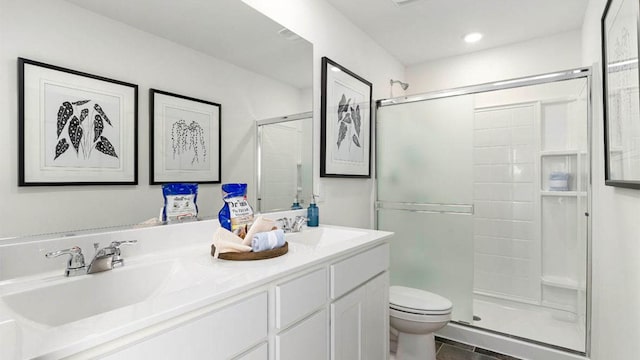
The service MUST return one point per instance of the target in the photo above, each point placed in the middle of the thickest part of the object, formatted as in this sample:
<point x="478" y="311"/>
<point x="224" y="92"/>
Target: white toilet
<point x="416" y="315"/>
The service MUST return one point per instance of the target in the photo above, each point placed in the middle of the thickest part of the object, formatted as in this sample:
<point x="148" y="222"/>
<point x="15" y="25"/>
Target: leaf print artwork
<point x="349" y="121"/>
<point x="75" y="133"/>
<point x="357" y="120"/>
<point x="342" y="133"/>
<point x="104" y="116"/>
<point x="343" y="105"/>
<point x="83" y="136"/>
<point x="98" y="126"/>
<point x="64" y="113"/>
<point x="355" y="140"/>
<point x="61" y="147"/>
<point x="348" y="132"/>
<point x="185" y="138"/>
<point x="83" y="114"/>
<point x="105" y="147"/>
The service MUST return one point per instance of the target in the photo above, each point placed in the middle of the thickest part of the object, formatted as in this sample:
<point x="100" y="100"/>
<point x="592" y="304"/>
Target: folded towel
<point x="559" y="181"/>
<point x="226" y="241"/>
<point x="260" y="224"/>
<point x="226" y="235"/>
<point x="267" y="240"/>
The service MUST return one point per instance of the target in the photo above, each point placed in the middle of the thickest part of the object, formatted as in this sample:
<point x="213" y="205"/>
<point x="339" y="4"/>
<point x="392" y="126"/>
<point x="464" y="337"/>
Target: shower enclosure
<point x="488" y="191"/>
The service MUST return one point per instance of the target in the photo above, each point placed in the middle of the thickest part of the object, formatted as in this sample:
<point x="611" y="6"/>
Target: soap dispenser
<point x="296" y="204"/>
<point x="313" y="213"/>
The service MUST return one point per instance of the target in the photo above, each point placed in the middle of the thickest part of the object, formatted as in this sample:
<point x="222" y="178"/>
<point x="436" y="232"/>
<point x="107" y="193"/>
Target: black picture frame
<point x="75" y="128"/>
<point x="193" y="127"/>
<point x="621" y="98"/>
<point x="346" y="129"/>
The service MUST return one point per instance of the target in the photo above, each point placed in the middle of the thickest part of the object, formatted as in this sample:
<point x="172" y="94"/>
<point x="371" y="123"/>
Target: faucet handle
<point x="117" y="244"/>
<point x="286" y="224"/>
<point x="299" y="222"/>
<point x="117" y="260"/>
<point x="76" y="259"/>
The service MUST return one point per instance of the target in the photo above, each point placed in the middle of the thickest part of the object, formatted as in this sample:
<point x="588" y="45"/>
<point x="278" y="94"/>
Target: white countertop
<point x="194" y="280"/>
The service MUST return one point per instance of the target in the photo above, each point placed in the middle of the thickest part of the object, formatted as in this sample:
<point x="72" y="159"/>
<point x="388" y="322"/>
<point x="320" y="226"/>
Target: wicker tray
<point x="251" y="255"/>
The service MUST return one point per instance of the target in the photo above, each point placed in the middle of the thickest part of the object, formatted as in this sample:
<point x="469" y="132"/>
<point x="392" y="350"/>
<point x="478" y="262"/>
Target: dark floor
<point x="452" y="350"/>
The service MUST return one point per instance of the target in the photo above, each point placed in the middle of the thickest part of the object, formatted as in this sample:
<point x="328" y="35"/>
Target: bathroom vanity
<point x="326" y="298"/>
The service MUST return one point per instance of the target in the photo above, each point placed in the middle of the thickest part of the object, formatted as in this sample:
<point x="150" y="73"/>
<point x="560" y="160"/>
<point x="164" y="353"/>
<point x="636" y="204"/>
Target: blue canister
<point x="313" y="213"/>
<point x="296" y="204"/>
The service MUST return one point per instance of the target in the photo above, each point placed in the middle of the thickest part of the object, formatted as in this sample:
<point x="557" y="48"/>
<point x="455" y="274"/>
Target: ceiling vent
<point x="288" y="34"/>
<point x="401" y="3"/>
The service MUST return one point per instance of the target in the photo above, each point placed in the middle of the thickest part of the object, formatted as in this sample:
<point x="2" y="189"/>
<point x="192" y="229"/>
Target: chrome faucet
<point x="108" y="257"/>
<point x="292" y="225"/>
<point x="75" y="265"/>
<point x="105" y="259"/>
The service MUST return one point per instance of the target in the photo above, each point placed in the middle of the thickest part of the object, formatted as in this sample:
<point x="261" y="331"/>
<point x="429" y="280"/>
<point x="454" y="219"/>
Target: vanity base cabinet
<point x="376" y="316"/>
<point x="359" y="322"/>
<point x="221" y="334"/>
<point x="335" y="310"/>
<point x="360" y="308"/>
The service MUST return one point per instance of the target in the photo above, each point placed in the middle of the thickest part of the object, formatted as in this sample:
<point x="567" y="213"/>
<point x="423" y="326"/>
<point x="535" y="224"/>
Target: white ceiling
<point x="228" y="30"/>
<point x="420" y="31"/>
<point x="429" y="29"/>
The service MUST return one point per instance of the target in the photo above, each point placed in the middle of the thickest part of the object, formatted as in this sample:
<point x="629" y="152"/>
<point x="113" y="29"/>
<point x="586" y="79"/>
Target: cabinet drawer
<point x="218" y="335"/>
<point x="300" y="297"/>
<point x="350" y="273"/>
<point x="306" y="340"/>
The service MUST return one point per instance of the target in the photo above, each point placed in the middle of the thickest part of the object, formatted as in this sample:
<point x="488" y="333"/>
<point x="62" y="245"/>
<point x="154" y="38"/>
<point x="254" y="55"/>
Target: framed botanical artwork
<point x="185" y="143"/>
<point x="345" y="136"/>
<point x="75" y="128"/>
<point x="621" y="85"/>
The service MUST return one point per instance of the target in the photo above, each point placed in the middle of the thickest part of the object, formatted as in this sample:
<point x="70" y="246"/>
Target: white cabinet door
<point x="360" y="322"/>
<point x="346" y="326"/>
<point x="376" y="318"/>
<point x="307" y="340"/>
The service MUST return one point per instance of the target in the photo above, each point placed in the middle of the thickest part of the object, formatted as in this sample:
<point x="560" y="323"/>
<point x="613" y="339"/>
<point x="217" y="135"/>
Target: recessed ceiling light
<point x="336" y="69"/>
<point x="473" y="37"/>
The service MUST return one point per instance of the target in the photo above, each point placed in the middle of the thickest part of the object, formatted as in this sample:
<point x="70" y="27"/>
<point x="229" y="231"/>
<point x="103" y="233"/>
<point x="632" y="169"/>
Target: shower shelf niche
<point x="563" y="150"/>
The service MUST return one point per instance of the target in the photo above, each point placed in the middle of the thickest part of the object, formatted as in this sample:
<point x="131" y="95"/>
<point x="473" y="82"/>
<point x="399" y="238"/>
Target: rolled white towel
<point x="260" y="224"/>
<point x="267" y="240"/>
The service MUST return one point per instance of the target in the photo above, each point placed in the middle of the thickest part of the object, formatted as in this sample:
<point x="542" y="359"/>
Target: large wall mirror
<point x="621" y="93"/>
<point x="222" y="51"/>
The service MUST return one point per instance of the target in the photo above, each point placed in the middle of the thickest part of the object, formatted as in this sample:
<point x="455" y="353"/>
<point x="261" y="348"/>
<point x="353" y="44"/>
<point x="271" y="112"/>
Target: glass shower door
<point x="425" y="196"/>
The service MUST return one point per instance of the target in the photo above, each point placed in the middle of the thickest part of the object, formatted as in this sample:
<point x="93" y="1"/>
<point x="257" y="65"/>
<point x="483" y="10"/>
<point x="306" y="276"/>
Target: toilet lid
<point x="418" y="301"/>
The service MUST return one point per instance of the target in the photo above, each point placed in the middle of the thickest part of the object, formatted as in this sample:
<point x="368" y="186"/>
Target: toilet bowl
<point x="416" y="314"/>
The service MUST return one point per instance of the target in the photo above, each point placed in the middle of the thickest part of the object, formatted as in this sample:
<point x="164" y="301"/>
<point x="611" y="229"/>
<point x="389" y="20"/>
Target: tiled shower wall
<point x="506" y="228"/>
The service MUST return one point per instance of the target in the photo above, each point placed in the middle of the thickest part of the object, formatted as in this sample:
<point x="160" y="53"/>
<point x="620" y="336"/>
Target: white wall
<point x="343" y="201"/>
<point x="62" y="34"/>
<point x="616" y="231"/>
<point x="537" y="56"/>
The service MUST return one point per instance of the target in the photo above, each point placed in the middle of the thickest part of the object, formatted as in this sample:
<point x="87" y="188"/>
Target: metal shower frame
<point x="571" y="74"/>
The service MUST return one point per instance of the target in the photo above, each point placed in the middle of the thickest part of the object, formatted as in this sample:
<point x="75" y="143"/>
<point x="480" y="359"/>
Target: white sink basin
<point x="76" y="298"/>
<point x="323" y="236"/>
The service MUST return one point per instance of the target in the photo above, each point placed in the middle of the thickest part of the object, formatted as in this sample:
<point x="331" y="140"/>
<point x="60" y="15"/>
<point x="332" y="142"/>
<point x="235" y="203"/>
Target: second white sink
<point x="323" y="236"/>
